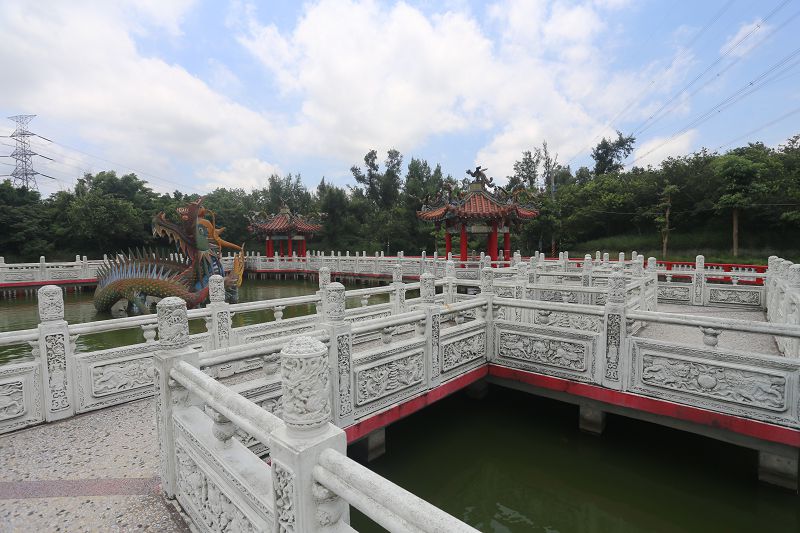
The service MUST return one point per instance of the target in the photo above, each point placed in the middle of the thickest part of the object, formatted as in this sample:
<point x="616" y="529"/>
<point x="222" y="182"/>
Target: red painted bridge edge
<point x="735" y="424"/>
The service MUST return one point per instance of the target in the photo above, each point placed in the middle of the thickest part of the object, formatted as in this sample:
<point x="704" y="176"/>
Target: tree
<point x="526" y="170"/>
<point x="662" y="215"/>
<point x="740" y="186"/>
<point x="609" y="154"/>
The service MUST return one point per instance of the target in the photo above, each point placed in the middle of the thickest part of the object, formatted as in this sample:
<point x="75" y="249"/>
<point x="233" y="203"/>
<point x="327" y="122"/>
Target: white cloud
<point x="77" y="64"/>
<point x="248" y="173"/>
<point x="377" y="76"/>
<point x="748" y="37"/>
<point x="657" y="149"/>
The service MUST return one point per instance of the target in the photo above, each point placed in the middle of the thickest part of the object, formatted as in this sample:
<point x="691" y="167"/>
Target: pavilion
<point x="285" y="227"/>
<point x="478" y="212"/>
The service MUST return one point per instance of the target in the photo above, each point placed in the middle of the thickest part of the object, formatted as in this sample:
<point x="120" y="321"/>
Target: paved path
<point x="93" y="472"/>
<point x="730" y="340"/>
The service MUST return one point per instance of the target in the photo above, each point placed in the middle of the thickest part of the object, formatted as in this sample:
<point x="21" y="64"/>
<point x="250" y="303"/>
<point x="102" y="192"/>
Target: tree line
<point x="747" y="198"/>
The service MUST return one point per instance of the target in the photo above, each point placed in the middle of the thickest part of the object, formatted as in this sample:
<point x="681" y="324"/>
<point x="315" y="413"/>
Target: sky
<point x="195" y="95"/>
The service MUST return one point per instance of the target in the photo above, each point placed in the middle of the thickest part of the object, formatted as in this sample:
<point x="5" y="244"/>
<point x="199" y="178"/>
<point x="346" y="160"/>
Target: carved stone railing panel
<point x="20" y="396"/>
<point x="213" y="495"/>
<point x="752" y="386"/>
<point x="385" y="376"/>
<point x="738" y="296"/>
<point x="558" y="352"/>
<point x="463" y="348"/>
<point x="117" y="375"/>
<point x="675" y="292"/>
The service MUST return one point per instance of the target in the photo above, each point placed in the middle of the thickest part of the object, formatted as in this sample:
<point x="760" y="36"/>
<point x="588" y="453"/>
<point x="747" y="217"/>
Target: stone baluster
<point x="173" y="340"/>
<point x="615" y="341"/>
<point x="792" y="318"/>
<point x="433" y="319"/>
<point x="149" y="332"/>
<point x="340" y="350"/>
<point x="621" y="258"/>
<point x="586" y="279"/>
<point x="597" y="260"/>
<point x="566" y="260"/>
<point x="699" y="281"/>
<point x="516" y="258"/>
<point x="324" y="278"/>
<point x="398" y="294"/>
<point x="634" y="255"/>
<point x="450" y="282"/>
<point x="42" y="269"/>
<point x="300" y="504"/>
<point x="220" y="326"/>
<point x="605" y="260"/>
<point x="710" y="336"/>
<point x="277" y="312"/>
<point x="56" y="355"/>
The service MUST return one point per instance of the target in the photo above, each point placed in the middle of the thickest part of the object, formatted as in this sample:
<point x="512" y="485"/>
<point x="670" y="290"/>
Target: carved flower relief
<point x="57" y="371"/>
<point x="305" y="391"/>
<point x="343" y="351"/>
<point x="12" y="400"/>
<point x="736" y="297"/>
<point x="336" y="304"/>
<point x="673" y="293"/>
<point x="740" y="386"/>
<point x="283" y="486"/>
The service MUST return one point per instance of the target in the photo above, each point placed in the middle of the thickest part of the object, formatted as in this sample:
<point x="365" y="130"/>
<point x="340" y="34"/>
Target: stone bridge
<point x="582" y="335"/>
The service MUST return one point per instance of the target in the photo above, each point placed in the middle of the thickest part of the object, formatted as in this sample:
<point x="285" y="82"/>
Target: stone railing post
<point x="56" y="355"/>
<point x="42" y="269"/>
<point x="340" y="350"/>
<point x="398" y="294"/>
<point x="324" y="277"/>
<point x="615" y="341"/>
<point x="301" y="504"/>
<point x="586" y="279"/>
<point x="220" y="327"/>
<point x="652" y="272"/>
<point x="699" y="280"/>
<point x="173" y="333"/>
<point x="450" y="282"/>
<point x="769" y="285"/>
<point x="516" y="258"/>
<point x="605" y="263"/>
<point x="433" y="319"/>
<point x="487" y="292"/>
<point x="520" y="287"/>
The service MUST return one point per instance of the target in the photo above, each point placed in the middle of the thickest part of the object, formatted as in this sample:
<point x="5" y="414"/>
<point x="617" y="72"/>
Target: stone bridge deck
<point x="98" y="471"/>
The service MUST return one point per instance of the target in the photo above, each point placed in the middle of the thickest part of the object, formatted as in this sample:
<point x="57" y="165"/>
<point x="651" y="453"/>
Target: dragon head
<point x="182" y="234"/>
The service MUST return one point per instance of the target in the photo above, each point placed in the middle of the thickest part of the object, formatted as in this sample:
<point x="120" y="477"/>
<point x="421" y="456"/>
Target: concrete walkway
<point x="93" y="472"/>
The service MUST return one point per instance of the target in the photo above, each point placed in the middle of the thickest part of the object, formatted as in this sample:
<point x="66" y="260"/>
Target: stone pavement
<point x="93" y="472"/>
<point x="728" y="340"/>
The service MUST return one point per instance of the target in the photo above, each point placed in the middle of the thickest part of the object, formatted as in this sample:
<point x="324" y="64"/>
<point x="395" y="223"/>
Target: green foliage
<point x="604" y="208"/>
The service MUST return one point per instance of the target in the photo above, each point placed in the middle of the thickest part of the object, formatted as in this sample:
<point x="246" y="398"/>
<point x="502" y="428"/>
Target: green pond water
<point x="513" y="462"/>
<point x="22" y="313"/>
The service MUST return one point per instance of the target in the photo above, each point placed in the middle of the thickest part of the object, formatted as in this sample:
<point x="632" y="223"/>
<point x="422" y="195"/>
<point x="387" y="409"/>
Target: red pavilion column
<point x="303" y="247"/>
<point x="270" y="247"/>
<point x="507" y="245"/>
<point x="289" y="253"/>
<point x="448" y="243"/>
<point x="463" y="242"/>
<point x="280" y="243"/>
<point x="493" y="242"/>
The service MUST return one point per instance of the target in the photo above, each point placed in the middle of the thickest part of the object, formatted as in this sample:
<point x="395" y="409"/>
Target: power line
<point x="657" y="79"/>
<point x="658" y="113"/>
<point x="756" y="130"/>
<point x="751" y="87"/>
<point x="123" y="165"/>
<point x="670" y="106"/>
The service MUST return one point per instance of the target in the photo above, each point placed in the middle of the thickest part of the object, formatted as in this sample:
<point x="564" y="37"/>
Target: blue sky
<point x="198" y="94"/>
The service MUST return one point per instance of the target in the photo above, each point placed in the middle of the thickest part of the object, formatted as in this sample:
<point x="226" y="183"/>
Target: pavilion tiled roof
<point x="477" y="205"/>
<point x="284" y="222"/>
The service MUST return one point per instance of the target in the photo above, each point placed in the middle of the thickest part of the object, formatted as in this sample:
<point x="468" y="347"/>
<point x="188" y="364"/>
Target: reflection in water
<point x="517" y="463"/>
<point x="23" y="313"/>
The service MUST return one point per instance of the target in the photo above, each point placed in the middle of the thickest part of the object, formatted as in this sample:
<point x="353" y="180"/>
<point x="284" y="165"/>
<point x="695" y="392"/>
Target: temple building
<point x="478" y="212"/>
<point x="285" y="232"/>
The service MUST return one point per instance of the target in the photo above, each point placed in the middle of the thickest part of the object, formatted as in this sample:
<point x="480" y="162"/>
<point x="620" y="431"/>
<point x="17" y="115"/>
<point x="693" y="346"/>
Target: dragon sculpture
<point x="142" y="273"/>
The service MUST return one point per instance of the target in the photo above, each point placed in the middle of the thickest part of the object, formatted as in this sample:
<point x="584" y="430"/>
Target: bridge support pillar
<point x="779" y="469"/>
<point x="370" y="447"/>
<point x="591" y="420"/>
